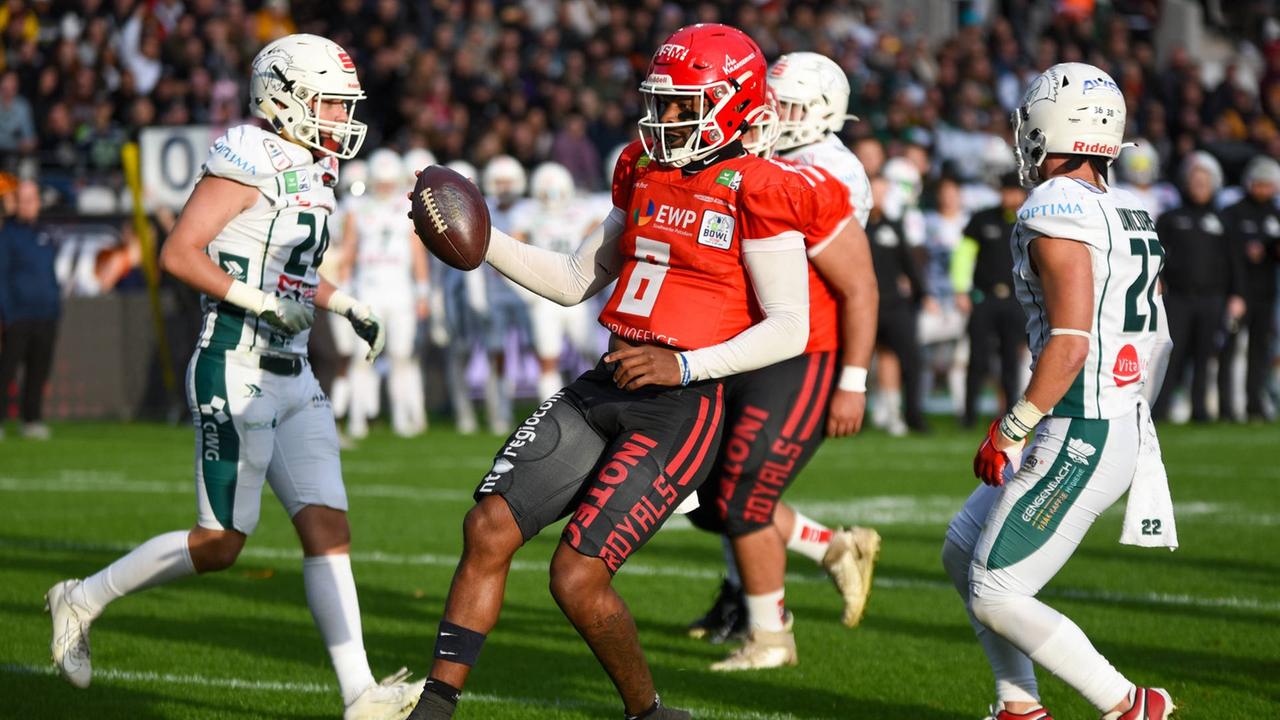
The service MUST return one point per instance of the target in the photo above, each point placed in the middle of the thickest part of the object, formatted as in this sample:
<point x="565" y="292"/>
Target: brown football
<point x="451" y="217"/>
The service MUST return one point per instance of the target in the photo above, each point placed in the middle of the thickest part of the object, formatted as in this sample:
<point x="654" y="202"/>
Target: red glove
<point x="990" y="462"/>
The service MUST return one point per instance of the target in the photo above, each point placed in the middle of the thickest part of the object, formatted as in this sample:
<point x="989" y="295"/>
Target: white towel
<point x="1148" y="514"/>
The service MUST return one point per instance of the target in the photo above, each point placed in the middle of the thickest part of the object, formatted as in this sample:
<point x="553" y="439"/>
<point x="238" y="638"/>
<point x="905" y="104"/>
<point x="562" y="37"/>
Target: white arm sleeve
<point x="559" y="277"/>
<point x="779" y="272"/>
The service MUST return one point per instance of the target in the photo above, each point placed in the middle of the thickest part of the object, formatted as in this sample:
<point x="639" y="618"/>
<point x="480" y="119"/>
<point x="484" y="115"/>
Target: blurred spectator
<point x="1202" y="279"/>
<point x="17" y="129"/>
<point x="1253" y="227"/>
<point x="982" y="277"/>
<point x="29" y="309"/>
<point x="901" y="284"/>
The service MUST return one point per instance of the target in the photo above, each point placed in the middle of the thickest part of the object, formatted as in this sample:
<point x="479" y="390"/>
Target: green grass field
<point x="1203" y="622"/>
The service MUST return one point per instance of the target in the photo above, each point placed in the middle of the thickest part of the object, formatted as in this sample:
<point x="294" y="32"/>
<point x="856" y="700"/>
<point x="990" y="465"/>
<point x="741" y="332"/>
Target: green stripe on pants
<point x="1038" y="512"/>
<point x="216" y="439"/>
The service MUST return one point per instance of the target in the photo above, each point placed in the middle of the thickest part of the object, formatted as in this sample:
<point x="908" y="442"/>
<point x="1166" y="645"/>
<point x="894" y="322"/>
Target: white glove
<point x="286" y="315"/>
<point x="367" y="325"/>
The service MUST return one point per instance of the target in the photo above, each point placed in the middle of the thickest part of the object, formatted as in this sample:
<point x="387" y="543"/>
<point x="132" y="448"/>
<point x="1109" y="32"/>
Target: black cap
<point x="1010" y="179"/>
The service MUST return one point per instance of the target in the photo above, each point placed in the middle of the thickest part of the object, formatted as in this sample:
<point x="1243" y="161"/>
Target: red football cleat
<point x="1148" y="704"/>
<point x="999" y="713"/>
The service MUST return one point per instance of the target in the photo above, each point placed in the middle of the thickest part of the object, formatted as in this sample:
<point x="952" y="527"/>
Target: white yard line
<point x="192" y="680"/>
<point x="689" y="572"/>
<point x="876" y="510"/>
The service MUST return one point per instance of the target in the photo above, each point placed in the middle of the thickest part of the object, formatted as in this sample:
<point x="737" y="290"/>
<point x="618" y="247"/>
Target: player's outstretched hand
<point x="993" y="456"/>
<point x="845" y="414"/>
<point x="369" y="327"/>
<point x="644" y="365"/>
<point x="284" y="314"/>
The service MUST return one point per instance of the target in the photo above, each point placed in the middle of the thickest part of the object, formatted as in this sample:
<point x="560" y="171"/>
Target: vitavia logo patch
<point x="716" y="230"/>
<point x="729" y="178"/>
<point x="296" y="181"/>
<point x="1080" y="451"/>
<point x="1127" y="369"/>
<point x="237" y="266"/>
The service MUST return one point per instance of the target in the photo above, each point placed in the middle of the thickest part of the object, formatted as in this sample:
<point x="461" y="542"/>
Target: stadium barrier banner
<point x="171" y="161"/>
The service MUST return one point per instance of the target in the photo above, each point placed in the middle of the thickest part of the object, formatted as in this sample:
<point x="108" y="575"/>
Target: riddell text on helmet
<point x="1096" y="148"/>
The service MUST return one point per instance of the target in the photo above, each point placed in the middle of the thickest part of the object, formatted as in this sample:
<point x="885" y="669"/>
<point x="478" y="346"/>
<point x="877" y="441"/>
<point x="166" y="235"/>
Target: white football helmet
<point x="1201" y="160"/>
<point x="353" y="179"/>
<point x="552" y="184"/>
<point x="292" y="77"/>
<point x="764" y="127"/>
<point x="504" y="176"/>
<point x="1140" y="164"/>
<point x="416" y="160"/>
<point x="386" y="171"/>
<point x="1069" y="109"/>
<point x="465" y="169"/>
<point x="904" y="179"/>
<point x="813" y="98"/>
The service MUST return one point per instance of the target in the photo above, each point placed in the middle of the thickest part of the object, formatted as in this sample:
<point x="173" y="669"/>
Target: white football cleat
<point x="391" y="699"/>
<point x="70" y="644"/>
<point x="850" y="561"/>
<point x="764" y="649"/>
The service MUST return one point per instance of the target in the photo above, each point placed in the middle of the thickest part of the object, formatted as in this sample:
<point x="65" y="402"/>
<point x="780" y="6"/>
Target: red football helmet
<point x="702" y="84"/>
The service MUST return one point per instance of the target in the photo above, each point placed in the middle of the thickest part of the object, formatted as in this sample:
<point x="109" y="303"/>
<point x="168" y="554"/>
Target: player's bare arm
<point x="213" y="204"/>
<point x="1066" y="272"/>
<point x="845" y="264"/>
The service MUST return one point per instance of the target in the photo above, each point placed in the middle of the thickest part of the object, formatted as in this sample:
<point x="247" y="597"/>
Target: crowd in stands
<point x="541" y="79"/>
<point x="556" y="80"/>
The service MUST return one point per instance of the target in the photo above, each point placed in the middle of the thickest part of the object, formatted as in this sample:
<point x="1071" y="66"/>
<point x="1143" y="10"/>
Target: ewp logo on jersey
<point x="664" y="215"/>
<point x="716" y="230"/>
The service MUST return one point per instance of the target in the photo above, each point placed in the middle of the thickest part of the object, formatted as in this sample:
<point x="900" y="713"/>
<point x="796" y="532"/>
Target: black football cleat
<point x="726" y="620"/>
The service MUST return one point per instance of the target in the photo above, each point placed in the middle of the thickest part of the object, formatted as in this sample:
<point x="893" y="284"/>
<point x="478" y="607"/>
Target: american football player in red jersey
<point x="707" y="244"/>
<point x="775" y="419"/>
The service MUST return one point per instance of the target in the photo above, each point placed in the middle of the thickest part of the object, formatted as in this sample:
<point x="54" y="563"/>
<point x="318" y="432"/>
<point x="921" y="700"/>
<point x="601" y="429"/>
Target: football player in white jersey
<point x="812" y="96"/>
<point x="353" y="183"/>
<point x="1139" y="168"/>
<point x="250" y="239"/>
<point x="387" y="266"/>
<point x="1086" y="263"/>
<point x="553" y="220"/>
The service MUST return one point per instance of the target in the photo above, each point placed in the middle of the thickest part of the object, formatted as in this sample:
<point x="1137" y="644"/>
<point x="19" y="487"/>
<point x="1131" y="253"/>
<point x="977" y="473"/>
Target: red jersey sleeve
<point x="833" y="210"/>
<point x="774" y="213"/>
<point x="624" y="174"/>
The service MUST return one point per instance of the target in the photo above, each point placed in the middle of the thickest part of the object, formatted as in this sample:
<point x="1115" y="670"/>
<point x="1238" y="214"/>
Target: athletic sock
<point x="809" y="537"/>
<point x="765" y="611"/>
<point x="331" y="595"/>
<point x="549" y="383"/>
<point x="732" y="576"/>
<point x="163" y="558"/>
